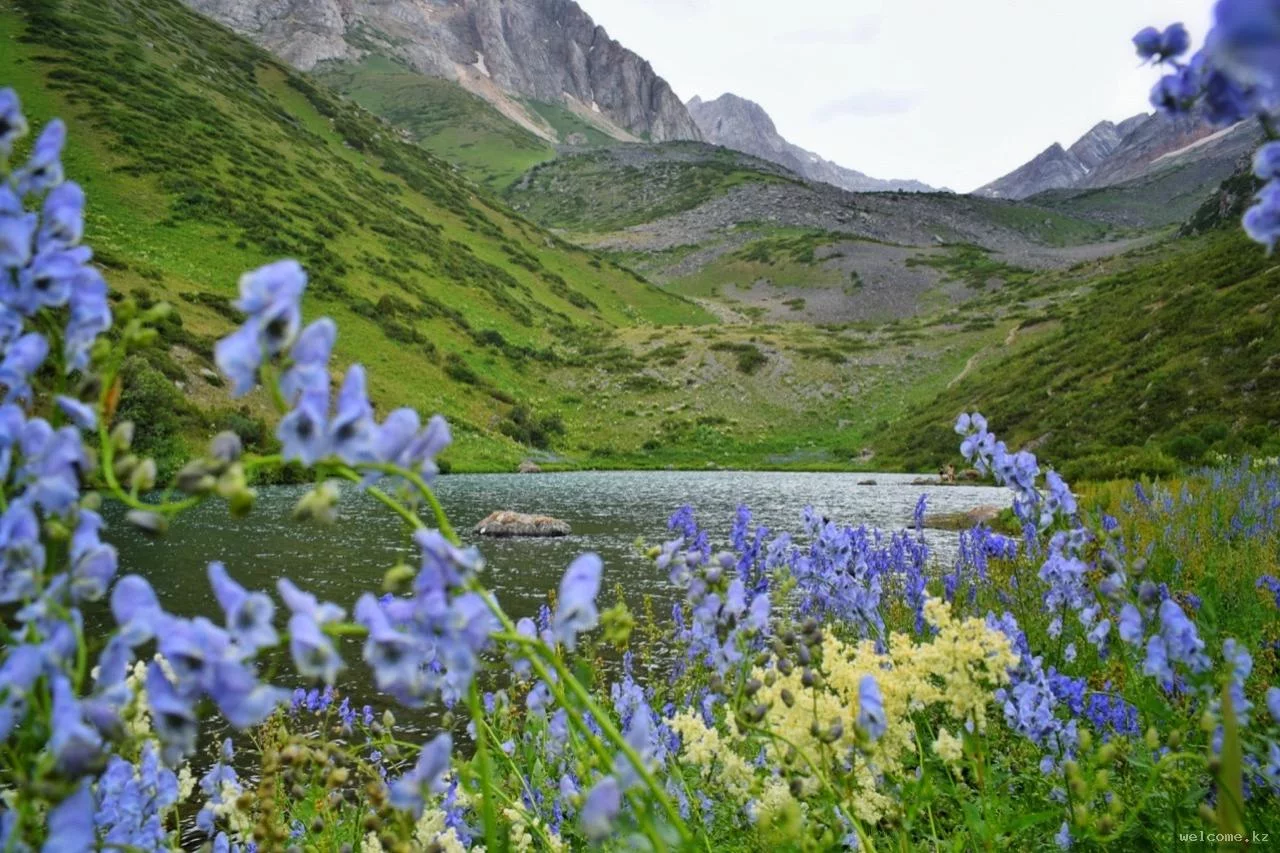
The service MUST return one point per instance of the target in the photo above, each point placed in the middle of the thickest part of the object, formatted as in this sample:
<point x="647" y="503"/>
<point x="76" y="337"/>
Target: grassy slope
<point x="444" y="118"/>
<point x="596" y="192"/>
<point x="1153" y="366"/>
<point x="203" y="157"/>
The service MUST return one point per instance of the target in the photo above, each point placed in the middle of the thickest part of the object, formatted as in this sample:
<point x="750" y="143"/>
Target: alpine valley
<point x="519" y="223"/>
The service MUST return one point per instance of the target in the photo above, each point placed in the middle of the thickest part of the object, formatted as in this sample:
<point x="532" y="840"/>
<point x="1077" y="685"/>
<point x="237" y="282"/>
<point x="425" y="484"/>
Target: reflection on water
<point x="609" y="512"/>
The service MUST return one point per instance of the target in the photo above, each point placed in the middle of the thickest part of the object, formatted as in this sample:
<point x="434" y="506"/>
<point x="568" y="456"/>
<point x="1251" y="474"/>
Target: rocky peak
<point x="743" y="125"/>
<point x="1052" y="168"/>
<point x="503" y="50"/>
<point x="1096" y="145"/>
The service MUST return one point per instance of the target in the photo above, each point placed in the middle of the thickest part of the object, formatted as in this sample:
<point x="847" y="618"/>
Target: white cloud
<point x="871" y="102"/>
<point x="952" y="92"/>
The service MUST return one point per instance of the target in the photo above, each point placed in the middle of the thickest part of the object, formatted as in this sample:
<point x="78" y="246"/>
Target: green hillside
<point x="1159" y="364"/>
<point x="442" y="117"/>
<point x="203" y="157"/>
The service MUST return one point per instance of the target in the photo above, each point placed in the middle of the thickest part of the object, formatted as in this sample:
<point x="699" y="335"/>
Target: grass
<point x="604" y="190"/>
<point x="442" y="117"/>
<point x="1145" y="370"/>
<point x="203" y="157"/>
<point x="974" y="266"/>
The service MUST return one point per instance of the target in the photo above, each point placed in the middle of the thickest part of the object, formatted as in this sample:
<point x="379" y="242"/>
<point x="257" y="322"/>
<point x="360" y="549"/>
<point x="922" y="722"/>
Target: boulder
<point x="984" y="514"/>
<point x="866" y="482"/>
<point x="505" y="524"/>
<point x="528" y="466"/>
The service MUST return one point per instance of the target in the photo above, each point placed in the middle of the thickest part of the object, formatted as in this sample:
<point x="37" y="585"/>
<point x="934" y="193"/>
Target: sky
<point x="951" y="92"/>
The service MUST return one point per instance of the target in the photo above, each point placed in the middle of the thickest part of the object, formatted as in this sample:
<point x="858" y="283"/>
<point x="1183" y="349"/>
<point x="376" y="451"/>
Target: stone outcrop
<point x="1109" y="154"/>
<point x="507" y="524"/>
<point x="962" y="520"/>
<point x="744" y="125"/>
<point x="545" y="50"/>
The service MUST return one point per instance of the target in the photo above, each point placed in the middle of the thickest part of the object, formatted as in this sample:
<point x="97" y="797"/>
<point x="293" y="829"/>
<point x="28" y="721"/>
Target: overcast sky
<point x="950" y="92"/>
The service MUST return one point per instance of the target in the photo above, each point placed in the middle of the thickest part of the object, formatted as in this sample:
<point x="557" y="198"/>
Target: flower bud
<point x="752" y="687"/>
<point x="226" y="447"/>
<point x="1153" y="738"/>
<point x="143" y="337"/>
<point x="195" y="479"/>
<point x="388" y="719"/>
<point x="152" y="523"/>
<point x="143" y="478"/>
<point x="1086" y="740"/>
<point x="398" y="578"/>
<point x="157" y="312"/>
<point x="1208" y="814"/>
<point x="1107" y="753"/>
<point x="124" y="466"/>
<point x="1175" y="738"/>
<point x="788" y="698"/>
<point x="122" y="436"/>
<point x="241" y="503"/>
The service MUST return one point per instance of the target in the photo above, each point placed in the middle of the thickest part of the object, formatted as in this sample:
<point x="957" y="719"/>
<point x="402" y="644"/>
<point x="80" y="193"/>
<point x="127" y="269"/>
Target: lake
<point x="609" y="512"/>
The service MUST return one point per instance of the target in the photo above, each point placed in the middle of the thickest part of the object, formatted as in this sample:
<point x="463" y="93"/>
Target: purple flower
<point x="271" y="296"/>
<point x="1175" y="93"/>
<point x="309" y="373"/>
<point x="1262" y="221"/>
<point x="238" y="356"/>
<point x="13" y="125"/>
<point x="248" y="614"/>
<point x="600" y="808"/>
<point x="44" y="167"/>
<point x="17" y="232"/>
<point x="1245" y="40"/>
<point x="62" y="218"/>
<point x="93" y="562"/>
<point x="352" y="429"/>
<point x="21" y="360"/>
<point x="576" y="607"/>
<point x="1130" y="625"/>
<point x="871" y="716"/>
<point x="1266" y="161"/>
<point x="1162" y="46"/>
<point x="427" y="774"/>
<point x="1273" y="703"/>
<point x="22" y="555"/>
<point x="172" y="716"/>
<point x="313" y="651"/>
<point x="80" y="414"/>
<point x="302" y="432"/>
<point x="75" y="745"/>
<point x="70" y="823"/>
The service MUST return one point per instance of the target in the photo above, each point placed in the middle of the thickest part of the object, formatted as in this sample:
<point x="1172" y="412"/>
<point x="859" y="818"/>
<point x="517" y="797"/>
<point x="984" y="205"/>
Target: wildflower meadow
<point x="1100" y="668"/>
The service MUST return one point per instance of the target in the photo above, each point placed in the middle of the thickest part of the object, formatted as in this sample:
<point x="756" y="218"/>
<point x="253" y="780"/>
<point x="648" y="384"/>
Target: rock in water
<point x="528" y="466"/>
<point x="984" y="514"/>
<point x="505" y="524"/>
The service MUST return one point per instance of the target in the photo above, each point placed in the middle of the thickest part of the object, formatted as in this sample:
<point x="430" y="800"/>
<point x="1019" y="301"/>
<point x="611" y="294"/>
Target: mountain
<point x="509" y="52"/>
<point x="1108" y="155"/>
<point x="744" y="125"/>
<point x="202" y="156"/>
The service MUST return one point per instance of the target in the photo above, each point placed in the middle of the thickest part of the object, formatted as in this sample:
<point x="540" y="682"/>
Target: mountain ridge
<point x="505" y="51"/>
<point x="743" y="125"/>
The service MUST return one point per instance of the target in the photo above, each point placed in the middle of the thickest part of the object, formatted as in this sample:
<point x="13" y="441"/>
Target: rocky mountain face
<point x="503" y="50"/>
<point x="1107" y="155"/>
<point x="743" y="125"/>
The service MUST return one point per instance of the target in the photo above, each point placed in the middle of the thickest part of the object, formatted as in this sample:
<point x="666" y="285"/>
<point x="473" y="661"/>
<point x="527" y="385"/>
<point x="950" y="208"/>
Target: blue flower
<point x="871" y="716"/>
<point x="22" y="555"/>
<point x="1162" y="46"/>
<point x="427" y="774"/>
<point x="248" y="614"/>
<point x="308" y="375"/>
<point x="21" y="360"/>
<point x="302" y="432"/>
<point x="1237" y="657"/>
<point x="600" y="809"/>
<point x="396" y="658"/>
<point x="1063" y="837"/>
<point x="13" y="125"/>
<point x="90" y="317"/>
<point x="272" y="296"/>
<point x="70" y="823"/>
<point x="80" y="414"/>
<point x="1175" y="93"/>
<point x="1245" y="39"/>
<point x="93" y="562"/>
<point x="1156" y="664"/>
<point x="238" y="356"/>
<point x="352" y="429"/>
<point x="44" y="167"/>
<point x="313" y="651"/>
<point x="1262" y="221"/>
<point x="75" y="745"/>
<point x="1273" y="703"/>
<point x="1266" y="161"/>
<point x="1130" y="625"/>
<point x="62" y="218"/>
<point x="576" y="606"/>
<point x="172" y="716"/>
<point x="17" y="233"/>
<point x="1181" y="638"/>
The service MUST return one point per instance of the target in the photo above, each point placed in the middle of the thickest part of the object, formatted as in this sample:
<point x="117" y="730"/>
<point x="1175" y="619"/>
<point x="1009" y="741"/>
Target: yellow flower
<point x="948" y="747"/>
